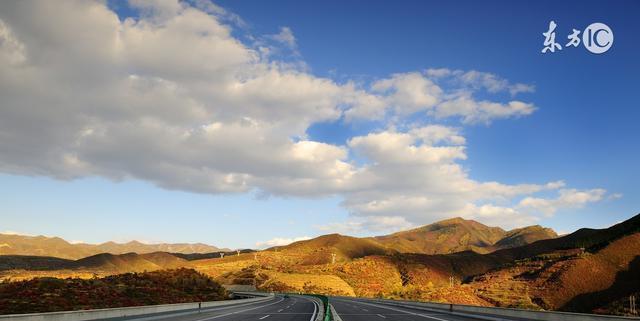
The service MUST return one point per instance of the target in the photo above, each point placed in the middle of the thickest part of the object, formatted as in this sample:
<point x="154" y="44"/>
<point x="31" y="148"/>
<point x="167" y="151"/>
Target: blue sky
<point x="582" y="132"/>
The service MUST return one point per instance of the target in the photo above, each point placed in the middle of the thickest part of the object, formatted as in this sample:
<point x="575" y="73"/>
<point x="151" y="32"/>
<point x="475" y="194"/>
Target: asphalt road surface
<point x="352" y="310"/>
<point x="281" y="308"/>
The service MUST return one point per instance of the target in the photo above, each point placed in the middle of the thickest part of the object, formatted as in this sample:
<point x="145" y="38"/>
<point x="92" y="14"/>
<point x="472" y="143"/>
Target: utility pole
<point x="221" y="254"/>
<point x="333" y="258"/>
<point x="451" y="279"/>
<point x="632" y="305"/>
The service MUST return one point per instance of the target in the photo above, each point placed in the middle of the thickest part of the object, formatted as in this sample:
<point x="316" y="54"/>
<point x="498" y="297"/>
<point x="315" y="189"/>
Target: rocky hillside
<point x="457" y="235"/>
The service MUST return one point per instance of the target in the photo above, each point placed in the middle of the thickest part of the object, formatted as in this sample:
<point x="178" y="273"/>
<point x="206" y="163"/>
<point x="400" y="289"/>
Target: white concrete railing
<point x="84" y="315"/>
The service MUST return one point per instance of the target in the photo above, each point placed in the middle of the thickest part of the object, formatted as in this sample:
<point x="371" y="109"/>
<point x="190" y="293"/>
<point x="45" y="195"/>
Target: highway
<point x="281" y="308"/>
<point x="354" y="310"/>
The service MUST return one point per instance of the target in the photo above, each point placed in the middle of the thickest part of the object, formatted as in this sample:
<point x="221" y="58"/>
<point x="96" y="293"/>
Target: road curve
<point x="281" y="308"/>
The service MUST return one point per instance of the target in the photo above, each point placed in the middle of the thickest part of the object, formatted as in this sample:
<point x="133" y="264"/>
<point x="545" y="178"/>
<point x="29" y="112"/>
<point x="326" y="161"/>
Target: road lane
<point x="353" y="310"/>
<point x="290" y="309"/>
<point x="293" y="308"/>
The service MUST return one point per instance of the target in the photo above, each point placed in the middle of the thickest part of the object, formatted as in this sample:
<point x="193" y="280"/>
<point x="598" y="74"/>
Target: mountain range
<point x="12" y="244"/>
<point x="448" y="236"/>
<point x="456" y="260"/>
<point x="457" y="235"/>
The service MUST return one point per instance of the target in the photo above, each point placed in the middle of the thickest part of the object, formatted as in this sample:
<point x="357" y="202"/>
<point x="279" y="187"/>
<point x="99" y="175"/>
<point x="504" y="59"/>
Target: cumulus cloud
<point x="173" y="98"/>
<point x="280" y="241"/>
<point x="443" y="93"/>
<point x="567" y="198"/>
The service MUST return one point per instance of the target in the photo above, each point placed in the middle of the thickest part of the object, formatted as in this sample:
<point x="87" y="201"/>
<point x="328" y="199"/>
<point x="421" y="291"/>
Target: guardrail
<point x="494" y="313"/>
<point x="179" y="308"/>
<point x="325" y="313"/>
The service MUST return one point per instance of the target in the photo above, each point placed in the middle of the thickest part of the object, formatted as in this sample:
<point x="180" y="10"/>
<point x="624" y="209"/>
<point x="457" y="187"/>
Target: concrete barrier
<point x="83" y="315"/>
<point x="336" y="316"/>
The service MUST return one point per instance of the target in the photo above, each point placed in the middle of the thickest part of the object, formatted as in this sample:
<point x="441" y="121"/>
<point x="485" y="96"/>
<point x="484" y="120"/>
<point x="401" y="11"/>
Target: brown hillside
<point x="319" y="250"/>
<point x="129" y="262"/>
<point x="524" y="236"/>
<point x="569" y="280"/>
<point x="458" y="235"/>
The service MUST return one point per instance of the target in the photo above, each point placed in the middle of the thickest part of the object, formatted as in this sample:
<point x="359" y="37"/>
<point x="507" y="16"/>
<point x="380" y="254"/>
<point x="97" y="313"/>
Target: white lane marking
<point x="315" y="310"/>
<point x="365" y="310"/>
<point x="227" y="314"/>
<point x="404" y="311"/>
<point x="382" y="316"/>
<point x="264" y="317"/>
<point x="280" y="310"/>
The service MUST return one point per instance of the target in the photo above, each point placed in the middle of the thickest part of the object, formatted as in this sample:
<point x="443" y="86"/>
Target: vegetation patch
<point x="123" y="290"/>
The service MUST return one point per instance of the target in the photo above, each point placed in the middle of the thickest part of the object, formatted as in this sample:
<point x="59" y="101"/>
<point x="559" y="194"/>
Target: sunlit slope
<point x="457" y="235"/>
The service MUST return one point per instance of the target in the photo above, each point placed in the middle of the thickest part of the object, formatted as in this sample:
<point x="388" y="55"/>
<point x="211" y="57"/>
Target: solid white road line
<point x="382" y="316"/>
<point x="264" y="317"/>
<point x="315" y="310"/>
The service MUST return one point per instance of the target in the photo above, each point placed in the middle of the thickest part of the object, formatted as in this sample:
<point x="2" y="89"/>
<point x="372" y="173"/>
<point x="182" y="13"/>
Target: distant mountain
<point x="457" y="235"/>
<point x="130" y="262"/>
<point x="524" y="236"/>
<point x="141" y="248"/>
<point x="209" y="255"/>
<point x="56" y="247"/>
<point x="103" y="263"/>
<point x="319" y="250"/>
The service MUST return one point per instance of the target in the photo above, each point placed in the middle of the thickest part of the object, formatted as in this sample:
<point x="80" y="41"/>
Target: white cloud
<point x="567" y="198"/>
<point x="280" y="241"/>
<point x="15" y="233"/>
<point x="472" y="111"/>
<point x="173" y="98"/>
<point x="481" y="80"/>
<point x="376" y="224"/>
<point x="408" y="93"/>
<point x="285" y="36"/>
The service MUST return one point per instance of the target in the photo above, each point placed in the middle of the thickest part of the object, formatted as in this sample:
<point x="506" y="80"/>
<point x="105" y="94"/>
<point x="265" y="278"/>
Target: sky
<point x="246" y="124"/>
